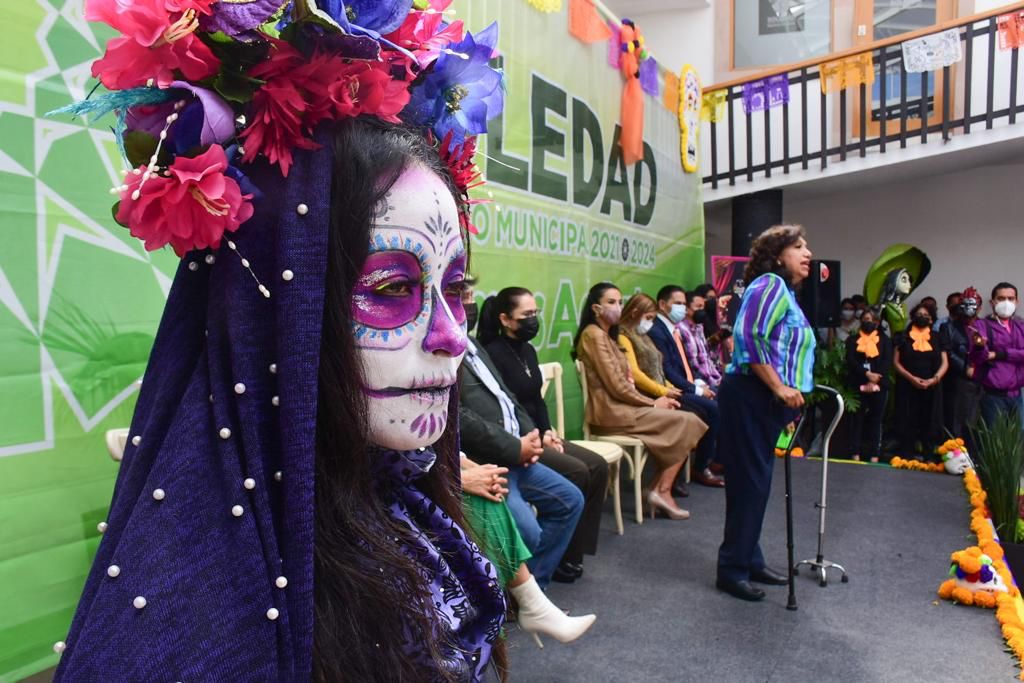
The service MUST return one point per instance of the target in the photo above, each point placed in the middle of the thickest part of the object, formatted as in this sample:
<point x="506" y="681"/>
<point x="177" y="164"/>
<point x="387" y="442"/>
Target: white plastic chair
<point x="117" y="439"/>
<point x="612" y="453"/>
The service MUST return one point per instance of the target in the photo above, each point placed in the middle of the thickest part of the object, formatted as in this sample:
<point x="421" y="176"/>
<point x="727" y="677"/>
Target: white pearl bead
<point x="113" y="571"/>
<point x="273" y="614"/>
<point x="136" y="440"/>
<point x="281" y="582"/>
<point x="277" y="475"/>
<point x="158" y="494"/>
<point x="210" y="259"/>
<point x="245" y="263"/>
<point x="139" y="602"/>
<point x="136" y="194"/>
<point x="249" y="484"/>
<point x="287" y="276"/>
<point x="101" y="527"/>
<point x="276" y="400"/>
<point x="193" y="266"/>
<point x="231" y="245"/>
<point x="239" y="388"/>
<point x="211" y="398"/>
<point x="302" y="209"/>
<point x="225" y="433"/>
<point x="59" y="646"/>
<point x="264" y="291"/>
<point x="273" y="368"/>
<point x="237" y="511"/>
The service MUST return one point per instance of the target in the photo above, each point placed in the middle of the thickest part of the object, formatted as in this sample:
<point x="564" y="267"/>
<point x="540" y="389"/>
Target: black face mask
<point x="471" y="315"/>
<point x="922" y="321"/>
<point x="528" y="329"/>
<point x="700" y="317"/>
<point x="869" y="327"/>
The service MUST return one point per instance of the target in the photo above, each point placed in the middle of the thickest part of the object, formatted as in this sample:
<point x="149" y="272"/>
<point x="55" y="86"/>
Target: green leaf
<point x="113" y="212"/>
<point x="236" y="87"/>
<point x="139" y="147"/>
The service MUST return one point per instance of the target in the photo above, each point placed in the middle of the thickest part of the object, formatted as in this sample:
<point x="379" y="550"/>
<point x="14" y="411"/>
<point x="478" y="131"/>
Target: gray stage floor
<point x="661" y="619"/>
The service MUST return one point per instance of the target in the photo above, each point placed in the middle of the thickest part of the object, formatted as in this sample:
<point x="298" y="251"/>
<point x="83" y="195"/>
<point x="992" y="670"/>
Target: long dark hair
<point x="489" y="326"/>
<point x="889" y="292"/>
<point x="587" y="316"/>
<point x="766" y="249"/>
<point x="365" y="616"/>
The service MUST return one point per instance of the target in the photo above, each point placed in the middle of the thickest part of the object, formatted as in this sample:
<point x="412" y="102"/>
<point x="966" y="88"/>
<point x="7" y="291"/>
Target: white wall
<point x="965" y="221"/>
<point x="680" y="37"/>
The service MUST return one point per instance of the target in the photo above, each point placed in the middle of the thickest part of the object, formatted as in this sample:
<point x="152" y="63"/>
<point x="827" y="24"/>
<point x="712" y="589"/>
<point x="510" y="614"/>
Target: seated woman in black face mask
<point x="508" y="321"/>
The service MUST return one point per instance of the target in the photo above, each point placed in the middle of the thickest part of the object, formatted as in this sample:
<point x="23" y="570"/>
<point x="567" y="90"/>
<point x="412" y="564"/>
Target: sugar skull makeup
<point x="409" y="323"/>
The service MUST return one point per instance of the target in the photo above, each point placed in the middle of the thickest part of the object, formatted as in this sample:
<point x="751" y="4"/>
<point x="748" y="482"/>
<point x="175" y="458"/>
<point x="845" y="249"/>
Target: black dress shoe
<point x="769" y="576"/>
<point x="706" y="478"/>
<point x="574" y="568"/>
<point x="740" y="589"/>
<point x="679" y="490"/>
<point x="563" y="576"/>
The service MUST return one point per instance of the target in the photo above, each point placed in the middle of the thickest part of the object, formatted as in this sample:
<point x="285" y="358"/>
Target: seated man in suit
<point x="698" y="397"/>
<point x="495" y="429"/>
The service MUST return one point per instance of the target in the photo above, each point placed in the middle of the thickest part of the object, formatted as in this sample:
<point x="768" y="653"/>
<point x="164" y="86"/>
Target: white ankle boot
<point x="539" y="615"/>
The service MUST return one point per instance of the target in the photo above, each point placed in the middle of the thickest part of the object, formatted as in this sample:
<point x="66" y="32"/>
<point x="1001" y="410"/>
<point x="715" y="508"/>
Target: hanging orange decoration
<point x="633" y="51"/>
<point x="585" y="24"/>
<point x="670" y="95"/>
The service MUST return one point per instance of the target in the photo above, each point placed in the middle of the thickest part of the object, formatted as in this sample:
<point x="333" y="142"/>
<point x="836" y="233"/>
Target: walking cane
<point x="791" y="602"/>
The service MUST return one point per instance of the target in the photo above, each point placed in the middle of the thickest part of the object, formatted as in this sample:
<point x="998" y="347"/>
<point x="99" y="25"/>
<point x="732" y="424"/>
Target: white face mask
<point x="677" y="313"/>
<point x="644" y="326"/>
<point x="1005" y="309"/>
<point x="408" y="319"/>
<point x="848" y="314"/>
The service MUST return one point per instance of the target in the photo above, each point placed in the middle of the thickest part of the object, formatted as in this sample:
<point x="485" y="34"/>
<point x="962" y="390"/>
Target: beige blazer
<point x="612" y="399"/>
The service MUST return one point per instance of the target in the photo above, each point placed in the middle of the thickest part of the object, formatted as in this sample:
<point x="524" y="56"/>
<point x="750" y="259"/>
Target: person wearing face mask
<point x="848" y="322"/>
<point x="961" y="394"/>
<point x="953" y="300"/>
<point x="614" y="406"/>
<point x="711" y="305"/>
<point x="495" y="429"/>
<point x="698" y="396"/>
<point x="868" y="361"/>
<point x="997" y="354"/>
<point x="508" y="322"/>
<point x="921" y="362"/>
<point x="695" y="343"/>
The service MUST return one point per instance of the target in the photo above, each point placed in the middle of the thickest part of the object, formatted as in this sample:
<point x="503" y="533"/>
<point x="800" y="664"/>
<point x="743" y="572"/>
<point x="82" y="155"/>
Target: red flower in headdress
<point x="189" y="208"/>
<point x="300" y="93"/>
<point x="464" y="172"/>
<point x="158" y="38"/>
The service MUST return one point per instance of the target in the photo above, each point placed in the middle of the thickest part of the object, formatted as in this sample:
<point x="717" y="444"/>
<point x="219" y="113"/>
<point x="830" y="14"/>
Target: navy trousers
<point x="708" y="411"/>
<point x="751" y="421"/>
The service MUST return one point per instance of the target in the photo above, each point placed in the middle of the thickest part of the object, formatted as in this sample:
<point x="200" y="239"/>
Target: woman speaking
<point x="772" y="364"/>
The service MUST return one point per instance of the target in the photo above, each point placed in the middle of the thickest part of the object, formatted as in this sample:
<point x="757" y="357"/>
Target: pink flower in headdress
<point x="158" y="38"/>
<point x="425" y="34"/>
<point x="189" y="208"/>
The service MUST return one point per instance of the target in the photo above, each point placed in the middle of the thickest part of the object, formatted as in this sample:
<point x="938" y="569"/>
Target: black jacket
<point x="481" y="424"/>
<point x="953" y="336"/>
<point x="512" y="357"/>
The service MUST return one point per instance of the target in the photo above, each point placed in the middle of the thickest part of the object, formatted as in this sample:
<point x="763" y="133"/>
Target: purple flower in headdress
<point x="462" y="92"/>
<point x="373" y="17"/>
<point x="205" y="119"/>
<point x="240" y="17"/>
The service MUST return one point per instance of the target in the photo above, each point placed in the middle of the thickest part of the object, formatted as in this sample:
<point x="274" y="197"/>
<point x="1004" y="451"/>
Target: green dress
<point x="495" y="531"/>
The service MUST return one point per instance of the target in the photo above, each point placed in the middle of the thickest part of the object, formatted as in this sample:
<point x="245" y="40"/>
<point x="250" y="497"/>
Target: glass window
<point x="771" y="32"/>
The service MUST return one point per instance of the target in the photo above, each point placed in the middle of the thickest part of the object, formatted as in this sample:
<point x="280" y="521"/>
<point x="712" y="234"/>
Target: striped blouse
<point x="771" y="329"/>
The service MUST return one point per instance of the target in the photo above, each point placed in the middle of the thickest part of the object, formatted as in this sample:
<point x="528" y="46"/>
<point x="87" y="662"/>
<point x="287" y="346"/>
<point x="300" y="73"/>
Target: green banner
<point x="80" y="299"/>
<point x="566" y="211"/>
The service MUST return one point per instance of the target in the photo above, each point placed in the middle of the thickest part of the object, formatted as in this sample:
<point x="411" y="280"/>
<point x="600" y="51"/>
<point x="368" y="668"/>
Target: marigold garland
<point x="905" y="464"/>
<point x="797" y="452"/>
<point x="1008" y="606"/>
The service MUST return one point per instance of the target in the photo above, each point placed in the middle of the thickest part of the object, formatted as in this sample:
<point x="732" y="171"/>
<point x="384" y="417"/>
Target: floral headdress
<point x="203" y="87"/>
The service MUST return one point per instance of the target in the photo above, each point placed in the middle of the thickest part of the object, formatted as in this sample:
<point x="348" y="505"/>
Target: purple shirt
<point x="1005" y="373"/>
<point x="696" y="347"/>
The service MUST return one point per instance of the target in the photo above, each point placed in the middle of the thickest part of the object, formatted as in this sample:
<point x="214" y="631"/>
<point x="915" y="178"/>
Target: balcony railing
<point x="813" y="127"/>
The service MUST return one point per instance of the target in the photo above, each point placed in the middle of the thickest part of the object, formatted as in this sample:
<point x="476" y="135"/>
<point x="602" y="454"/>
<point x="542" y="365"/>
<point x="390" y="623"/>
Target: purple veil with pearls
<point x="205" y="570"/>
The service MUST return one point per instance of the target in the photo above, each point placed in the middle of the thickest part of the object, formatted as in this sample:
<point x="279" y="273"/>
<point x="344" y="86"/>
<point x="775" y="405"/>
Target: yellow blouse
<point x="644" y="383"/>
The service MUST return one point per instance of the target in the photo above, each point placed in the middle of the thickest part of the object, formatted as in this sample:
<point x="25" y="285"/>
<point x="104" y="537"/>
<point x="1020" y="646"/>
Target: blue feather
<point x="120" y="101"/>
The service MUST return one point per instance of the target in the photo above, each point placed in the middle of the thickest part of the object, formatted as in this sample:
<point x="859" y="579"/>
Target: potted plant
<point x="999" y="457"/>
<point x="830" y="371"/>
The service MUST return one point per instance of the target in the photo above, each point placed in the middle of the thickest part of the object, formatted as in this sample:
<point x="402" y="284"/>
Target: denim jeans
<point x="559" y="505"/>
<point x="992" y="405"/>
